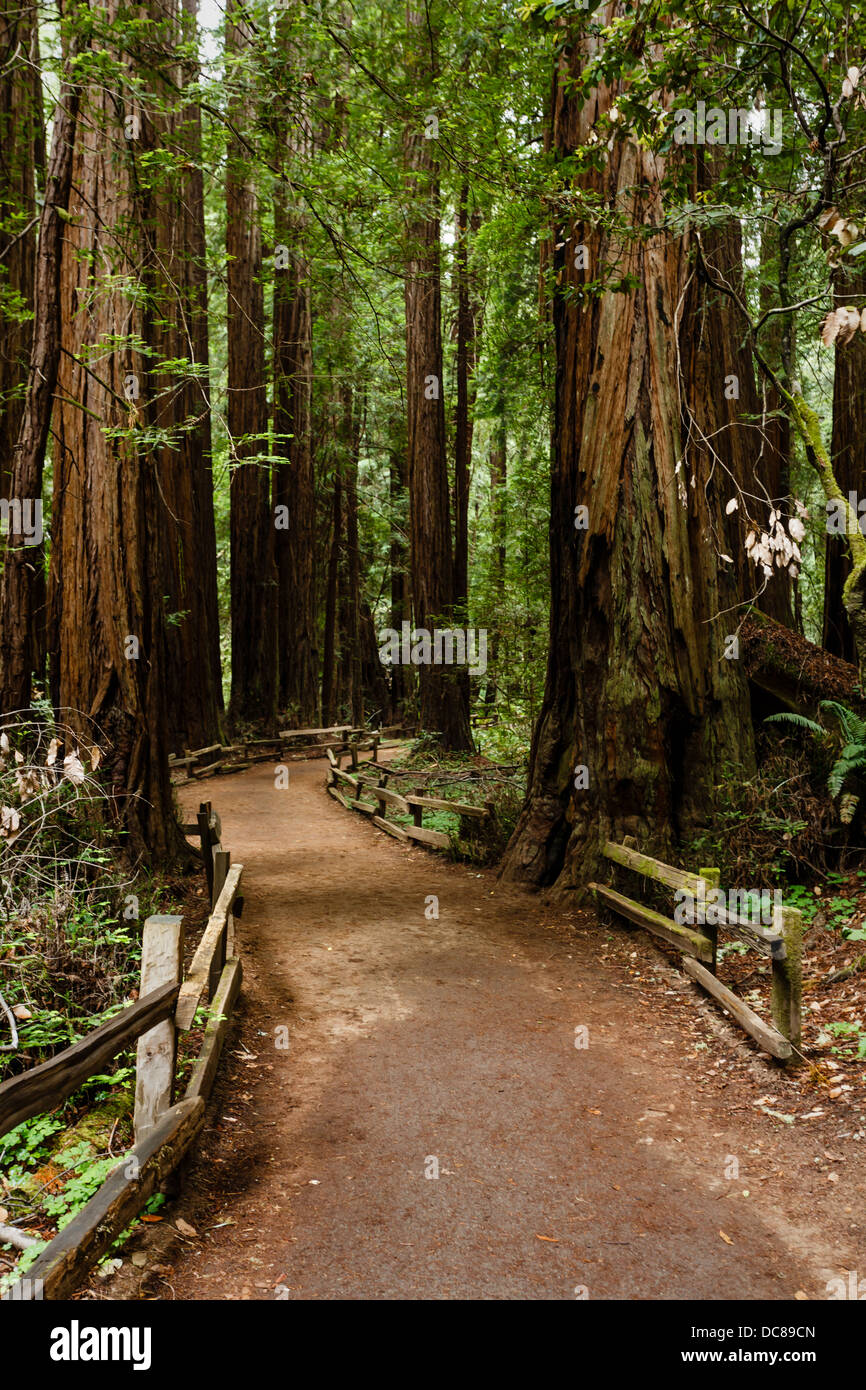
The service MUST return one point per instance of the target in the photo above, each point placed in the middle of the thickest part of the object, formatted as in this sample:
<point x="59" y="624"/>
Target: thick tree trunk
<point x="176" y="274"/>
<point x="22" y="587"/>
<point x="441" y="705"/>
<point x="253" y="572"/>
<point x="642" y="712"/>
<point x="107" y="623"/>
<point x="848" y="452"/>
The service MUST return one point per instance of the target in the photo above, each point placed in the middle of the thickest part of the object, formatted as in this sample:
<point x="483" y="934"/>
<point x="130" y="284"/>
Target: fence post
<point x="711" y="878"/>
<point x="203" y="822"/>
<point x="222" y="862"/>
<point x="161" y="964"/>
<point x="788" y="974"/>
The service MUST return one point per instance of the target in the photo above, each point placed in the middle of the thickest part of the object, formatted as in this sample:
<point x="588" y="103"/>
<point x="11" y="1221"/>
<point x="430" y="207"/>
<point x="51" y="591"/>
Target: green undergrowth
<point x="497" y="776"/>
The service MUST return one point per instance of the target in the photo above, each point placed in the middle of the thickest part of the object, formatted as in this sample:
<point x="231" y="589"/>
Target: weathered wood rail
<point x="699" y="943"/>
<point x="384" y="797"/>
<point x="198" y="763"/>
<point x="165" y="1128"/>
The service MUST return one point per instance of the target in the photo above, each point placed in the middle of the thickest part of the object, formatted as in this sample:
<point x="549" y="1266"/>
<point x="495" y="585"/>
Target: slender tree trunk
<point x="848" y="452"/>
<point x="294" y="484"/>
<point x="107" y="622"/>
<point x="350" y="447"/>
<point x="467" y="350"/>
<point x="253" y="572"/>
<point x="641" y="712"/>
<point x="441" y="705"/>
<point x="773" y="467"/>
<point x="329" y="666"/>
<point x="401" y="608"/>
<point x="20" y="134"/>
<point x="22" y="587"/>
<point x="498" y="465"/>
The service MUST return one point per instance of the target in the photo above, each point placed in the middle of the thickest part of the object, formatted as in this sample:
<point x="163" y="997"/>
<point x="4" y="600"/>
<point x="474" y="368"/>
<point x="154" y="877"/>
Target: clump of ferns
<point x="850" y="761"/>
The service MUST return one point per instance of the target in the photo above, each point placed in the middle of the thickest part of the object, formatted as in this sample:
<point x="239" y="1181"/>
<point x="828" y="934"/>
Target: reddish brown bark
<point x="638" y="690"/>
<point x="441" y="705"/>
<point x="176" y="274"/>
<point x="848" y="454"/>
<point x="22" y="588"/>
<point x="253" y="572"/>
<point x="20" y="133"/>
<point x="107" y="628"/>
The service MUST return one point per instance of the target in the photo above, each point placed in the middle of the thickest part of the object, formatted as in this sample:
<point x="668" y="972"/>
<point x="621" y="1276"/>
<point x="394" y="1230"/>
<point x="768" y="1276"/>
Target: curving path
<point x="418" y="1044"/>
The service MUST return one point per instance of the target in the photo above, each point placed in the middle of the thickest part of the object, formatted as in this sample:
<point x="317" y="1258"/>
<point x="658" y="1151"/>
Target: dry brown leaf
<point x="726" y="1239"/>
<point x="554" y="1240"/>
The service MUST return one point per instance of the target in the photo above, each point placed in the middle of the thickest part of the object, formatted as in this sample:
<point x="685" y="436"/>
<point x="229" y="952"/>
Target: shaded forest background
<point x="321" y="318"/>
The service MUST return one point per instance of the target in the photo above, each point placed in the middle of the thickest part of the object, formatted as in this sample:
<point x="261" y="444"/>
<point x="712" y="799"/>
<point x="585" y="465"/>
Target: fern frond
<point x="798" y="720"/>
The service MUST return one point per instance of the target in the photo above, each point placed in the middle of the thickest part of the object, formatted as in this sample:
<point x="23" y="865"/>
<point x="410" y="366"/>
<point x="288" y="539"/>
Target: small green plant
<point x="849" y="1030"/>
<point x="851" y="757"/>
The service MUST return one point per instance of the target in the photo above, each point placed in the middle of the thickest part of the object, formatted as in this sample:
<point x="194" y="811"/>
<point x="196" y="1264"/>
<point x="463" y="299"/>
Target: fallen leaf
<point x="185" y="1228"/>
<point x="726" y="1239"/>
<point x="20" y="1012"/>
<point x="139" y="1259"/>
<point x="554" y="1240"/>
<point x="151" y="1218"/>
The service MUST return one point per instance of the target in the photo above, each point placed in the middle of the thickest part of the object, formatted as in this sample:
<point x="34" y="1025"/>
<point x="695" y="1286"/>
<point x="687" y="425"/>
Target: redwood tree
<point x="441" y="705"/>
<point x="253" y="573"/>
<point x="642" y="711"/>
<point x="107" y="621"/>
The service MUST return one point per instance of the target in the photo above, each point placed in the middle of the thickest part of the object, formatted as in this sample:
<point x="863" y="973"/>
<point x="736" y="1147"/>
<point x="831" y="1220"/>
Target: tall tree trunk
<point x="773" y="467"/>
<point x="498" y="465"/>
<point x="20" y="134"/>
<point x="641" y="711"/>
<point x="401" y="608"/>
<point x="253" y="572"/>
<point x="350" y="447"/>
<point x="22" y="587"/>
<point x="848" y="452"/>
<point x="176" y="274"/>
<point x="467" y="349"/>
<point x="294" y="484"/>
<point x="329" y="664"/>
<point x="107" y="621"/>
<point x="441" y="705"/>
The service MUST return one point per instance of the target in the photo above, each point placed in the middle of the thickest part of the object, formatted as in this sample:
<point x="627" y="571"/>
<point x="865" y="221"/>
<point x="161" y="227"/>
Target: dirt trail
<point x="414" y="1039"/>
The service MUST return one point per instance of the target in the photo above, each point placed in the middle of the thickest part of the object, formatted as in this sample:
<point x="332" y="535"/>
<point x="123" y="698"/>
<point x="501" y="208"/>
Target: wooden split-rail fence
<point x="198" y="763"/>
<point x="384" y="798"/>
<point x="165" y="1128"/>
<point x="699" y="944"/>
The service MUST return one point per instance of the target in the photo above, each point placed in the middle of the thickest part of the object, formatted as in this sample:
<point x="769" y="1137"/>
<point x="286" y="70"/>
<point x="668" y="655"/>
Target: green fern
<point x="799" y="720"/>
<point x="852" y="755"/>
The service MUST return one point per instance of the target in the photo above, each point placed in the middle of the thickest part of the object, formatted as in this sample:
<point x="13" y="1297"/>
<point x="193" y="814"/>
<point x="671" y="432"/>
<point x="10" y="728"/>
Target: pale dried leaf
<point x="73" y="769"/>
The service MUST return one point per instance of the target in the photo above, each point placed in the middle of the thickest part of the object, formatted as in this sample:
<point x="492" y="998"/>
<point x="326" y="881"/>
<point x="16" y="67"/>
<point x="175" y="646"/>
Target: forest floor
<point x="668" y="1159"/>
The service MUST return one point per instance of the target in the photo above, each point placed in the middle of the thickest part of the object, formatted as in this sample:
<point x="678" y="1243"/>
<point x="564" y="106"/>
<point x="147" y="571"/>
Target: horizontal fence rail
<point x="382" y="798"/>
<point x="164" y="1128"/>
<point x="782" y="945"/>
